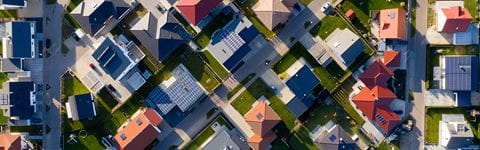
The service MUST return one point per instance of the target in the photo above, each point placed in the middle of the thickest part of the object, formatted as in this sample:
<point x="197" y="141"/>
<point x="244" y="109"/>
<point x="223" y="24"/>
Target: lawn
<point x="327" y="25"/>
<point x="73" y="86"/>
<point x="335" y="70"/>
<point x="389" y="146"/>
<point x="363" y="8"/>
<point x="185" y="24"/>
<point x="32" y="129"/>
<point x="243" y="103"/>
<point x="3" y="78"/>
<point x="433" y="116"/>
<point x="203" y="38"/>
<point x="72" y="21"/>
<point x="246" y="6"/>
<point x="341" y="96"/>
<point x="296" y="52"/>
<point x="200" y="71"/>
<point x="8" y="13"/>
<point x="3" y="119"/>
<point x="472" y="6"/>
<point x="216" y="66"/>
<point x="73" y="4"/>
<point x="106" y="99"/>
<point x="240" y="85"/>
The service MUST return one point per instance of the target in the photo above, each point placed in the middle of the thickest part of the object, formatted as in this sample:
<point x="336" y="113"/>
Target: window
<point x="139" y="122"/>
<point x="123" y="137"/>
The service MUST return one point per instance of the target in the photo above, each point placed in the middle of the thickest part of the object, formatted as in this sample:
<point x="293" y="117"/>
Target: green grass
<point x="278" y="144"/>
<point x="203" y="136"/>
<point x="72" y="21"/>
<point x="243" y="103"/>
<point x="3" y="119"/>
<point x="472" y="6"/>
<point x="239" y="86"/>
<point x="327" y="25"/>
<point x="224" y="122"/>
<point x="73" y="86"/>
<point x="305" y="2"/>
<point x="335" y="70"/>
<point x="341" y="96"/>
<point x="302" y="140"/>
<point x="216" y="66"/>
<point x="433" y="117"/>
<point x="72" y="5"/>
<point x="246" y="7"/>
<point x="363" y="8"/>
<point x="32" y="130"/>
<point x="8" y="13"/>
<point x="106" y="99"/>
<point x="185" y="24"/>
<point x="203" y="38"/>
<point x="200" y="71"/>
<point x="385" y="146"/>
<point x="3" y="78"/>
<point x="296" y="52"/>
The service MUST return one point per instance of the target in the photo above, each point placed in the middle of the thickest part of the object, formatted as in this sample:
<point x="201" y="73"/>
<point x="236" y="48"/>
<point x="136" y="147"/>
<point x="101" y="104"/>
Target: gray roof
<point x="224" y="139"/>
<point x="336" y="139"/>
<point x="346" y="44"/>
<point x="461" y="72"/>
<point x="460" y="132"/>
<point x="11" y="65"/>
<point x="160" y="35"/>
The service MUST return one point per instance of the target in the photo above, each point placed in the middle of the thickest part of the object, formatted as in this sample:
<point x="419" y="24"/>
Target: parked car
<point x="48" y="43"/>
<point x="326" y="7"/>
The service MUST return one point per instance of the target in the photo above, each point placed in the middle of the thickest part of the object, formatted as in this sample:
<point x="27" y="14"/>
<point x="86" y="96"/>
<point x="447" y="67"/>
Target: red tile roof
<point x="139" y="132"/>
<point x="383" y="93"/>
<point x="196" y="10"/>
<point x="10" y="142"/>
<point x="350" y="14"/>
<point x="390" y="118"/>
<point x="458" y="19"/>
<point x="376" y="74"/>
<point x="258" y="142"/>
<point x="392" y="58"/>
<point x="393" y="24"/>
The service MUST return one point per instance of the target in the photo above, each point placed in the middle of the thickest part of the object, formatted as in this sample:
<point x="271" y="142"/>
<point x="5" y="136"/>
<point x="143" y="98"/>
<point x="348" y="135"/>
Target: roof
<point x="457" y="19"/>
<point x="113" y="59"/>
<point x="393" y="24"/>
<point x="12" y="65"/>
<point x="345" y="44"/>
<point x="231" y="43"/>
<point x="335" y="139"/>
<point x="461" y="72"/>
<point x="368" y="99"/>
<point x="14" y="2"/>
<point x="386" y="118"/>
<point x="262" y="118"/>
<point x="468" y="37"/>
<point x="140" y="131"/>
<point x="21" y="95"/>
<point x="161" y="36"/>
<point x="196" y="10"/>
<point x="289" y="3"/>
<point x="303" y="82"/>
<point x="258" y="142"/>
<point x="460" y="134"/>
<point x="271" y="12"/>
<point x="10" y="142"/>
<point x="93" y="15"/>
<point x="376" y="74"/>
<point x="181" y="90"/>
<point x="20" y="34"/>
<point x="350" y="14"/>
<point x="224" y="139"/>
<point x="82" y="106"/>
<point x="392" y="58"/>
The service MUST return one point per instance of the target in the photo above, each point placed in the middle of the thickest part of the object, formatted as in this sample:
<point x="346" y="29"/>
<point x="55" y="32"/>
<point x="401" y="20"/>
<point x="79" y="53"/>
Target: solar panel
<point x="461" y="72"/>
<point x="332" y="138"/>
<point x="259" y="116"/>
<point x="380" y="118"/>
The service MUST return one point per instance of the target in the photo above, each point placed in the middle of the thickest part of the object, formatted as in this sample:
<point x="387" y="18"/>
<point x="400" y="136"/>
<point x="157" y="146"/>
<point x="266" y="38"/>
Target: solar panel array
<point x="232" y="40"/>
<point x="461" y="72"/>
<point x="112" y="58"/>
<point x="20" y="99"/>
<point x="380" y="118"/>
<point x="184" y="92"/>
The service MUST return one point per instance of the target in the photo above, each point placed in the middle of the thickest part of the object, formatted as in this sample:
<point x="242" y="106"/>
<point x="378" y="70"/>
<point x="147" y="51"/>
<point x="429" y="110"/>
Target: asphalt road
<point x="414" y="140"/>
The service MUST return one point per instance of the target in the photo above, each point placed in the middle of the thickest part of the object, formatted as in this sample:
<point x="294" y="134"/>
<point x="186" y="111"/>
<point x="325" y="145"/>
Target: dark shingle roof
<point x="84" y="104"/>
<point x="14" y="2"/>
<point x="20" y="99"/>
<point x="21" y="39"/>
<point x="336" y="139"/>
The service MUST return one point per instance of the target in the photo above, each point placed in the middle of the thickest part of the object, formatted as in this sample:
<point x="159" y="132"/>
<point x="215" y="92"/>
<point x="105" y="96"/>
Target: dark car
<point x="48" y="43"/>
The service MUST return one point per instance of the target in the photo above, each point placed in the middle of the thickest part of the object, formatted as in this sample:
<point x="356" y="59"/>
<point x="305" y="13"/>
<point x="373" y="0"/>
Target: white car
<point x="326" y="7"/>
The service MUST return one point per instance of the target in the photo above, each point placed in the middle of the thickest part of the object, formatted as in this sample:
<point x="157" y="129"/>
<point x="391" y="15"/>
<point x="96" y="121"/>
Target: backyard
<point x="73" y="86"/>
<point x="433" y="117"/>
<point x="8" y="13"/>
<point x="246" y="7"/>
<point x="200" y="70"/>
<point x="204" y="37"/>
<point x="216" y="66"/>
<point x="327" y="25"/>
<point x="298" y="51"/>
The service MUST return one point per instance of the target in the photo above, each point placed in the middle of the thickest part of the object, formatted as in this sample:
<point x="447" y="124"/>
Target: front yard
<point x="327" y="25"/>
<point x="363" y="8"/>
<point x="216" y="66"/>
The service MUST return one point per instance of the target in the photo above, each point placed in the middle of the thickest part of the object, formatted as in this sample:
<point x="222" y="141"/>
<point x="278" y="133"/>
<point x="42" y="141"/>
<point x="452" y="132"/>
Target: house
<point x="334" y="137"/>
<point x="141" y="130"/>
<point x="160" y="35"/>
<point x="196" y="10"/>
<point x="11" y="142"/>
<point x="22" y="102"/>
<point x="376" y="74"/>
<point x="81" y="107"/>
<point x="345" y="44"/>
<point x="375" y="99"/>
<point x="234" y="42"/>
<point x="19" y="40"/>
<point x="261" y="118"/>
<point x="455" y="133"/>
<point x="225" y="139"/>
<point x="468" y="37"/>
<point x="459" y="73"/>
<point x="392" y="58"/>
<point x="393" y="24"/>
<point x="302" y="84"/>
<point x="12" y="65"/>
<point x="452" y="19"/>
<point x="98" y="17"/>
<point x="181" y="90"/>
<point x="13" y="4"/>
<point x="271" y="12"/>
